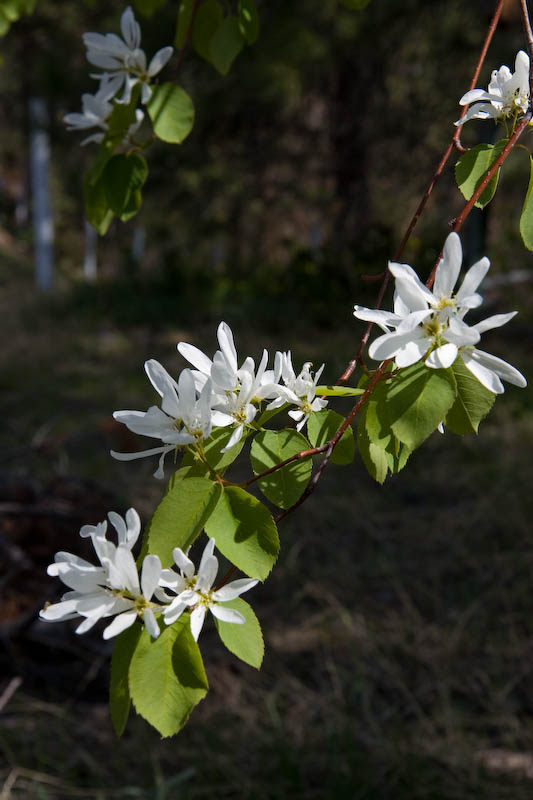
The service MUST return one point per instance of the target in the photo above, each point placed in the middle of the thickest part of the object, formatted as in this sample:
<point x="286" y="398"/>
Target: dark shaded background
<point x="398" y="622"/>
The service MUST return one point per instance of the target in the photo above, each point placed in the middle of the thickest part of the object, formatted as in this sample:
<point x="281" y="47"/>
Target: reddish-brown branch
<point x="186" y="43"/>
<point x="297" y="457"/>
<point x="490" y="33"/>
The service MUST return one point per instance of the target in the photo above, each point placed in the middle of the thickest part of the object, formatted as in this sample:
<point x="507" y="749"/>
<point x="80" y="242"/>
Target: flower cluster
<point x="113" y="588"/>
<point x="507" y="94"/>
<point x="430" y="325"/>
<point x="125" y="66"/>
<point x="218" y="394"/>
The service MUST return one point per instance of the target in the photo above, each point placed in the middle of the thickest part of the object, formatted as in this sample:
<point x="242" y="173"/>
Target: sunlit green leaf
<point x="338" y="391"/>
<point x="286" y="485"/>
<point x="180" y="516"/>
<point x="473" y="401"/>
<point x="471" y="168"/>
<point x="322" y="426"/>
<point x="119" y="693"/>
<point x="244" y="532"/>
<point x="418" y="399"/>
<point x="244" y="641"/>
<point x="172" y="113"/>
<point x="167" y="677"/>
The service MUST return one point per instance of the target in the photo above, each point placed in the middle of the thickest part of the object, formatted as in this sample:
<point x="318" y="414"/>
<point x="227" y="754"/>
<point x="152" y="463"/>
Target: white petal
<point x="125" y="564"/>
<point x="151" y="570"/>
<point x="227" y="614"/>
<point x="385" y="319"/>
<point x="173" y="611"/>
<point x="443" y="357"/>
<point x="120" y="624"/>
<point x="195" y="357"/>
<point x="151" y="623"/>
<point x="197" y="621"/>
<point x="183" y="562"/>
<point x="159" y="60"/>
<point x="504" y="370"/>
<point x="472" y="279"/>
<point x="130" y="28"/>
<point x="495" y="321"/>
<point x="485" y="376"/>
<point x="449" y="266"/>
<point x="234" y="589"/>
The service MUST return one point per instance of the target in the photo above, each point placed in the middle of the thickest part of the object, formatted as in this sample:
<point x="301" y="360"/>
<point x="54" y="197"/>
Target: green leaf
<point x="184" y="22"/>
<point x="244" y="641"/>
<point x="180" y="516"/>
<point x="119" y="693"/>
<point x="172" y="113"/>
<point x="212" y="447"/>
<point x="418" y="399"/>
<point x="322" y="426"/>
<point x="244" y="532"/>
<point x="104" y="154"/>
<point x="226" y="44"/>
<point x="122" y="116"/>
<point x="526" y="217"/>
<point x="167" y="677"/>
<point x="338" y="391"/>
<point x="285" y="486"/>
<point x="206" y="22"/>
<point x="471" y="168"/>
<point x="473" y="401"/>
<point x="123" y="177"/>
<point x="248" y="20"/>
<point x="97" y="208"/>
<point x="374" y="457"/>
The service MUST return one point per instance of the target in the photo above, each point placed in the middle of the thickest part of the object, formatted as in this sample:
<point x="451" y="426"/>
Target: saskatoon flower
<point x="195" y="590"/>
<point x="507" y="94"/>
<point x="223" y="369"/>
<point x="110" y="589"/>
<point x="123" y="60"/>
<point x="183" y="418"/>
<point x="298" y="390"/>
<point x="96" y="110"/>
<point x="429" y="324"/>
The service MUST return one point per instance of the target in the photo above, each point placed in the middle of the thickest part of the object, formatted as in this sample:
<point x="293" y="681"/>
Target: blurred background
<point x="398" y="624"/>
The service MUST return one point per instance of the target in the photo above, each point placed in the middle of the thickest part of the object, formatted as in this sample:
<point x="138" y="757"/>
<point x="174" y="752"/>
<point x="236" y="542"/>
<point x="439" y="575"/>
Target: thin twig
<point x="186" y="42"/>
<point x="297" y="457"/>
<point x="490" y="33"/>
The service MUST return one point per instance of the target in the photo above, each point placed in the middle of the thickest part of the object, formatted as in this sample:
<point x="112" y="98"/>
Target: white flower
<point x="111" y="589"/>
<point x="195" y="590"/>
<point x="299" y="390"/>
<point x="508" y="93"/>
<point x="429" y="324"/>
<point x="183" y="418"/>
<point x="237" y="391"/>
<point x="123" y="59"/>
<point x="238" y="407"/>
<point x="96" y="111"/>
<point x="223" y="369"/>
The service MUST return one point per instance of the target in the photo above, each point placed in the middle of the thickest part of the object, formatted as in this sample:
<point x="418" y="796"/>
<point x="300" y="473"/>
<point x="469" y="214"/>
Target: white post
<point x="89" y="258"/>
<point x="43" y="221"/>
